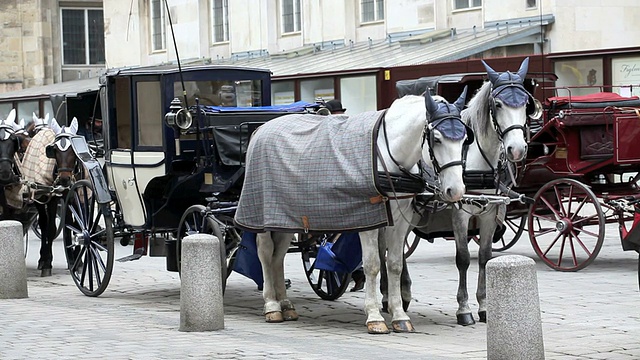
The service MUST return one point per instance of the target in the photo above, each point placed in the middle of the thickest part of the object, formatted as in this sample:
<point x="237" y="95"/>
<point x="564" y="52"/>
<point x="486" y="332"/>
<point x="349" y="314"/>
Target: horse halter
<point x="518" y="96"/>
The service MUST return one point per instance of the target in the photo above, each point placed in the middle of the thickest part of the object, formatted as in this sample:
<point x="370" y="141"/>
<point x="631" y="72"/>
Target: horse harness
<point x="414" y="184"/>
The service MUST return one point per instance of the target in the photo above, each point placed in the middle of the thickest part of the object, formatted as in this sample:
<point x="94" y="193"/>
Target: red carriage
<point x="582" y="171"/>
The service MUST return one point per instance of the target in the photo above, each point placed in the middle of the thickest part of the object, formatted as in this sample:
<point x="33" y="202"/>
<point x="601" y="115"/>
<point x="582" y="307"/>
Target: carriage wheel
<point x="329" y="285"/>
<point x="88" y="239"/>
<point x="566" y="225"/>
<point x="411" y="242"/>
<point x="516" y="224"/>
<point x="59" y="215"/>
<point x="195" y="220"/>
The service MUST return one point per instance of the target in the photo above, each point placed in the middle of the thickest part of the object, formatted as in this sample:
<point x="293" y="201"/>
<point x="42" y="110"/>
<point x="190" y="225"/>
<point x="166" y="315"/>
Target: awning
<point x="433" y="46"/>
<point x="72" y="88"/>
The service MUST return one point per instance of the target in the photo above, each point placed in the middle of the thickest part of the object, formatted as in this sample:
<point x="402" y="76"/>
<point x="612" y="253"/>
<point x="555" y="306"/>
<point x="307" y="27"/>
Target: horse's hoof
<point x="483" y="316"/>
<point x="290" y="315"/>
<point x="45" y="272"/>
<point x="274" y="317"/>
<point x="402" y="326"/>
<point x="405" y="305"/>
<point x="385" y="307"/>
<point x="465" y="319"/>
<point x="377" y="327"/>
<point x="39" y="265"/>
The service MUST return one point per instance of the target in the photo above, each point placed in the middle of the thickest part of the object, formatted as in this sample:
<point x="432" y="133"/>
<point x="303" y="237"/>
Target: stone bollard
<point x="13" y="270"/>
<point x="514" y="326"/>
<point x="201" y="300"/>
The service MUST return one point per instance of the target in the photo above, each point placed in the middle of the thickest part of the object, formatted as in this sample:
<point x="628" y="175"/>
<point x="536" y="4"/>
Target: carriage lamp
<point x="178" y="116"/>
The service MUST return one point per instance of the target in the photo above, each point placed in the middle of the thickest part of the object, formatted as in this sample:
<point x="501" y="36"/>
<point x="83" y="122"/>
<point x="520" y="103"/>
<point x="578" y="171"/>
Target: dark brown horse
<point x="49" y="162"/>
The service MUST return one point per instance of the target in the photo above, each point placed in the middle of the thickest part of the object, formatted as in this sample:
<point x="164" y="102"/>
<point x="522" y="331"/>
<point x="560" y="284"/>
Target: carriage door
<point x="138" y="156"/>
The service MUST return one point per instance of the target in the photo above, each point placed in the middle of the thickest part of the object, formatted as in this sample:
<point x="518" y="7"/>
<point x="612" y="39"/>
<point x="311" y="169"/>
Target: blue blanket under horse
<point x="313" y="173"/>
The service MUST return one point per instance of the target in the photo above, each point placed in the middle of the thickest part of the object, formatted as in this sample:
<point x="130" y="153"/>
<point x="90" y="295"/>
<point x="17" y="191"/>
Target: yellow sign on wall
<point x="387" y="74"/>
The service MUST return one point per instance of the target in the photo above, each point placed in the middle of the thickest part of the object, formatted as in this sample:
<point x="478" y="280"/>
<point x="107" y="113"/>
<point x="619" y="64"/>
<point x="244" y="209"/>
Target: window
<point x="580" y="74"/>
<point x="371" y="10"/>
<point x="220" y="20"/>
<point x="465" y="4"/>
<point x="290" y="16"/>
<point x="150" y="115"/>
<point x="82" y="36"/>
<point x="358" y="94"/>
<point x="282" y="92"/>
<point x="532" y="4"/>
<point x="157" y="26"/>
<point x="312" y="89"/>
<point x="243" y="93"/>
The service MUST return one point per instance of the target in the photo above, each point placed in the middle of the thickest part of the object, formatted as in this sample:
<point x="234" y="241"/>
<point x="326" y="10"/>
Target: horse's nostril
<point x="449" y="191"/>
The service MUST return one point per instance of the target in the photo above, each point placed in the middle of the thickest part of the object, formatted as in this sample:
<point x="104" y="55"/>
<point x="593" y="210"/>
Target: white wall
<point x="594" y="24"/>
<point x="407" y="15"/>
<point x="255" y="25"/>
<point x="123" y="34"/>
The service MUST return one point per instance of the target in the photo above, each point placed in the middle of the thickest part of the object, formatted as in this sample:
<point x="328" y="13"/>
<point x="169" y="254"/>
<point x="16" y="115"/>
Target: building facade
<point x="49" y="41"/>
<point x="321" y="48"/>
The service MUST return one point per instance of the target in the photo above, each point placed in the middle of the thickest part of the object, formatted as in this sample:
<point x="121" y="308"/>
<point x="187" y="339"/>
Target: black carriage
<point x="174" y="146"/>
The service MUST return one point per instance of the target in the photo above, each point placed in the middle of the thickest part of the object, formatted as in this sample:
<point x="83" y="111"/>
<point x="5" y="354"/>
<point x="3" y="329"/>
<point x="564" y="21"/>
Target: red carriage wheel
<point x="566" y="225"/>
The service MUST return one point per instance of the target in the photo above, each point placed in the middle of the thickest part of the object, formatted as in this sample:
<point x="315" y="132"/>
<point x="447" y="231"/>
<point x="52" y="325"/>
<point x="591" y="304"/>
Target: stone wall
<point x="26" y="43"/>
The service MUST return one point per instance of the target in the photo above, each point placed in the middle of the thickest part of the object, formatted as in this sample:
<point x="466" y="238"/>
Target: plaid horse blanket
<point x="313" y="173"/>
<point x="35" y="167"/>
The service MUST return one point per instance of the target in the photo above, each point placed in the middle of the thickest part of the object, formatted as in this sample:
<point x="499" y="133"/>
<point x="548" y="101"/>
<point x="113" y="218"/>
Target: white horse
<point x="407" y="124"/>
<point x="497" y="113"/>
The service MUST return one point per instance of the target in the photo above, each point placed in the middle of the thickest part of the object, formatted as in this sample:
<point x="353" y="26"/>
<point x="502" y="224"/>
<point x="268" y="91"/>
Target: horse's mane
<point x="477" y="115"/>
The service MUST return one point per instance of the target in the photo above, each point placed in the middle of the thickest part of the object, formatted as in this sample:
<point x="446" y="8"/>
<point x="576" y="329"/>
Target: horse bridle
<point x="497" y="89"/>
<point x="63" y="142"/>
<point x="428" y="133"/>
<point x="4" y="130"/>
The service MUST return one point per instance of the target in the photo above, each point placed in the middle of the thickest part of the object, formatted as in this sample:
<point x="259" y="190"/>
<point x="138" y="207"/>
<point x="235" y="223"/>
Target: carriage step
<point x="135" y="256"/>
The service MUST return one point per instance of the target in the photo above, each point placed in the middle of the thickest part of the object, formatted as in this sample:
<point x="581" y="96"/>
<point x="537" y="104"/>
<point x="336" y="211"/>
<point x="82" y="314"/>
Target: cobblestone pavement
<point x="590" y="314"/>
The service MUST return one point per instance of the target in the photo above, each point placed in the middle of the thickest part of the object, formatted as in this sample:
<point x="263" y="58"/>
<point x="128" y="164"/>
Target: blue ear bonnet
<point x="447" y="120"/>
<point x="510" y="90"/>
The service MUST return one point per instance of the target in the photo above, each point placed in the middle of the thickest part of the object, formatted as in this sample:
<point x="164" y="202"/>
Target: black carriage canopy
<point x="230" y="128"/>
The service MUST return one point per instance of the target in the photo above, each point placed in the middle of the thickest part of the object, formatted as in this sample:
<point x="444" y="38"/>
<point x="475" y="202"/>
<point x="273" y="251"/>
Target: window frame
<point x="225" y="21"/>
<point x="534" y="6"/>
<point x="377" y="5"/>
<point x="152" y="26"/>
<point x="296" y="15"/>
<point x="470" y="5"/>
<point x="87" y="43"/>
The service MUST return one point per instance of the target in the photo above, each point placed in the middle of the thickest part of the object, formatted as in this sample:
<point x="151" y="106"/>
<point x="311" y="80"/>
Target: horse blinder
<point x="470" y="136"/>
<point x="50" y="151"/>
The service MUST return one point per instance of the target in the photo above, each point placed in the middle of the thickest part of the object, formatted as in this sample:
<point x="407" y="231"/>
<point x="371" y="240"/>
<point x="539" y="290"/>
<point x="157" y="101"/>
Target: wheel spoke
<point x="77" y="217"/>
<point x="545" y="231"/>
<point x="96" y="254"/>
<point x="581" y="243"/>
<point x="545" y="217"/>
<point x="555" y="240"/>
<point x="584" y="201"/>
<point x="95" y="258"/>
<point x="558" y="194"/>
<point x="582" y="220"/>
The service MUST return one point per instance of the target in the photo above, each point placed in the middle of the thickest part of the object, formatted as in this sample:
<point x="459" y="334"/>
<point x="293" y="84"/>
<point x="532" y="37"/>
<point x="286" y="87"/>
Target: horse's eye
<point x="437" y="141"/>
<point x="498" y="104"/>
